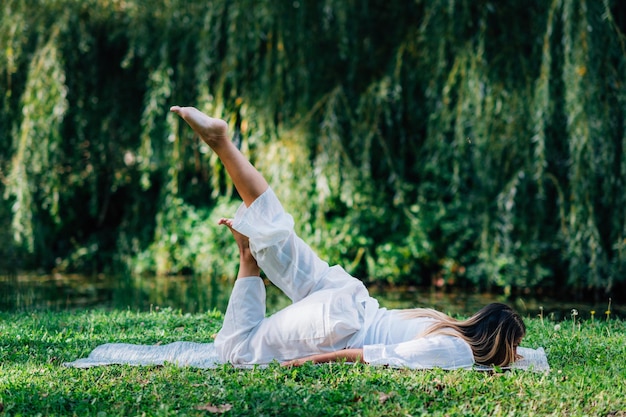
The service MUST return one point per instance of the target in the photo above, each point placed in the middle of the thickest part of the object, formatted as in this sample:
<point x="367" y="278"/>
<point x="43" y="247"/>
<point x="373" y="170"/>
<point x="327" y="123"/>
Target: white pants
<point x="330" y="311"/>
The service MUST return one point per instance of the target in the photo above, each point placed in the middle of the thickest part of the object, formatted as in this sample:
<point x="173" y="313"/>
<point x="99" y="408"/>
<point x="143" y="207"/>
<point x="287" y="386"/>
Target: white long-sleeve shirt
<point x="392" y="340"/>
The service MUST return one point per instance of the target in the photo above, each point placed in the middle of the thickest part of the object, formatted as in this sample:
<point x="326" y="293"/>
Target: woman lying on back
<point x="332" y="317"/>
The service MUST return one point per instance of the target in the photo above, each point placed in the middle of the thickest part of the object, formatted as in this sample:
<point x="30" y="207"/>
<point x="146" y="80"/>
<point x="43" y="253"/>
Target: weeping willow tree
<point x="473" y="143"/>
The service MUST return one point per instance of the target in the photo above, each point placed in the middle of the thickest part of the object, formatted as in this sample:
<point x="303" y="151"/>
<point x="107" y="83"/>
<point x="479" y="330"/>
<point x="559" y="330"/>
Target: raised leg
<point x="249" y="182"/>
<point x="273" y="246"/>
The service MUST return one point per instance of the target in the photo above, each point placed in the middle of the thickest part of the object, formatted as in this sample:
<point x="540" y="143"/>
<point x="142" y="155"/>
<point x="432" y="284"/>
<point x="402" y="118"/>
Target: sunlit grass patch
<point x="587" y="361"/>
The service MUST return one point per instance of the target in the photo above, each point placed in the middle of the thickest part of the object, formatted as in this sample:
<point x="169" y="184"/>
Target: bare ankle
<point x="247" y="265"/>
<point x="216" y="142"/>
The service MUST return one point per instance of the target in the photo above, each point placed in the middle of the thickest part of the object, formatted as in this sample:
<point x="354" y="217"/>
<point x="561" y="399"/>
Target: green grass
<point x="588" y="360"/>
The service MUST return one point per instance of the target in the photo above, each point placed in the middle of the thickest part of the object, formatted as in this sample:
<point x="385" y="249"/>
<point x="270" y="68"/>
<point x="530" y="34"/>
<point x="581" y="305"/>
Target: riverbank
<point x="587" y="356"/>
<point x="198" y="293"/>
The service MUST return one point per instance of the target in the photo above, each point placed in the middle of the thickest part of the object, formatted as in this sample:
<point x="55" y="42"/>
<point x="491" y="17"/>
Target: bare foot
<point x="242" y="241"/>
<point x="212" y="131"/>
<point x="247" y="264"/>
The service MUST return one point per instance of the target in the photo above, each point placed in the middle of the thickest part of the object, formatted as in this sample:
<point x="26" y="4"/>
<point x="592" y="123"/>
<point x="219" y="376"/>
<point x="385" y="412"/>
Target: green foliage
<point x="188" y="240"/>
<point x="34" y="175"/>
<point x="480" y="143"/>
<point x="586" y="358"/>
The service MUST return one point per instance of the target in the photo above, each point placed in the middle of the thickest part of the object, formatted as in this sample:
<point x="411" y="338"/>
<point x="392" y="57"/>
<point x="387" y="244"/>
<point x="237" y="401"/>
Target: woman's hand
<point x="348" y="355"/>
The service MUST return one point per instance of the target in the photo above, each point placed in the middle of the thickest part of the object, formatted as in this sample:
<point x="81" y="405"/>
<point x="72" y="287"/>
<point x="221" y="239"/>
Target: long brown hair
<point x="493" y="332"/>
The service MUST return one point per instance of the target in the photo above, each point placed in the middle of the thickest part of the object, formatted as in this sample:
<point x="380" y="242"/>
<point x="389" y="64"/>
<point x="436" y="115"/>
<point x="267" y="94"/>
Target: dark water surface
<point x="194" y="294"/>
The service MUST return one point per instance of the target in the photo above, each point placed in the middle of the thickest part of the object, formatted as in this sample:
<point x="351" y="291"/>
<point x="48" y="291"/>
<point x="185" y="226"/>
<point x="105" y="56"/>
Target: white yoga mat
<point x="204" y="355"/>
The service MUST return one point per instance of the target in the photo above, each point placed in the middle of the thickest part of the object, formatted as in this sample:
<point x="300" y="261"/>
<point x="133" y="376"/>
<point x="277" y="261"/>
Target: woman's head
<point x="494" y="333"/>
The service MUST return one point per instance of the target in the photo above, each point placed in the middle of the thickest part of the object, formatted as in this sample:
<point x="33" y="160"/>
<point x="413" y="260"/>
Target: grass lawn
<point x="587" y="356"/>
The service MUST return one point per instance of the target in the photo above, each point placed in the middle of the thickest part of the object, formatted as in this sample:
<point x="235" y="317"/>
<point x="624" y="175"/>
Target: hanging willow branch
<point x="34" y="177"/>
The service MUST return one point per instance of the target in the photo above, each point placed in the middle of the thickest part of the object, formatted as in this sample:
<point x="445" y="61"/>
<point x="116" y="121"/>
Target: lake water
<point x="194" y="294"/>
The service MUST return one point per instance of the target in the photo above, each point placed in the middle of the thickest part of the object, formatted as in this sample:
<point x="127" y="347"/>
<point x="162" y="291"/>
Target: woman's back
<point x="392" y="326"/>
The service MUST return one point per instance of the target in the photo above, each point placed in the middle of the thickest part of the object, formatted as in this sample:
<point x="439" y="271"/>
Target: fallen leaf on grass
<point x="383" y="397"/>
<point x="218" y="409"/>
<point x="439" y="386"/>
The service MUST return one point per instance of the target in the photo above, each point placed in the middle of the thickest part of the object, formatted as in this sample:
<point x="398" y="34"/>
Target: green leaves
<point x="502" y="122"/>
<point x="34" y="179"/>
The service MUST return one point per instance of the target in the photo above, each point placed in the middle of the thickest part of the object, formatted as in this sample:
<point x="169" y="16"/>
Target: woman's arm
<point x="349" y="355"/>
